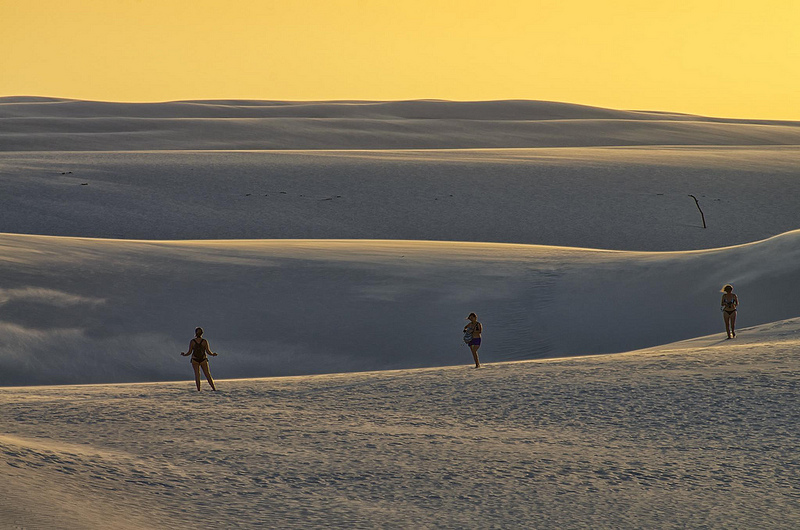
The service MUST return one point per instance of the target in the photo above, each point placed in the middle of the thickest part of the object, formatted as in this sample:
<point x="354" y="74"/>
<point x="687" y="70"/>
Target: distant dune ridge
<point x="36" y="124"/>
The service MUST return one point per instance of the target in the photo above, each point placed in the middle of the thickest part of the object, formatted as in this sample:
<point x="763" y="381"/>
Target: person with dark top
<point x="728" y="305"/>
<point x="474" y="328"/>
<point x="199" y="350"/>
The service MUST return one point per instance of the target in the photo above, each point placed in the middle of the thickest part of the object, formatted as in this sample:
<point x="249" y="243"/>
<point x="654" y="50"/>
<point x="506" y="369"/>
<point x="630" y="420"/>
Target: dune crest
<point x="42" y="124"/>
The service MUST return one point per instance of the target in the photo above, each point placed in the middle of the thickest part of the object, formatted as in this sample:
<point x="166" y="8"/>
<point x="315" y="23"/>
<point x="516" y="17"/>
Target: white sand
<point x="96" y="311"/>
<point x="617" y="198"/>
<point x="702" y="434"/>
<point x="334" y="275"/>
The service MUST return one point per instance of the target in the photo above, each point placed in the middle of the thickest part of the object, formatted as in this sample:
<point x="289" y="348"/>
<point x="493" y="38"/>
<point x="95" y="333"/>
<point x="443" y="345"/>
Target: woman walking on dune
<point x="472" y="336"/>
<point x="199" y="350"/>
<point x="728" y="305"/>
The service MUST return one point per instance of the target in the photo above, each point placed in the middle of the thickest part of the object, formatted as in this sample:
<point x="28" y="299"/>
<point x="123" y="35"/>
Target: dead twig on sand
<point x="698" y="207"/>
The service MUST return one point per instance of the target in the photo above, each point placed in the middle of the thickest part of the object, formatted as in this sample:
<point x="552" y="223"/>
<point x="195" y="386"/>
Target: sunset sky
<point x="723" y="58"/>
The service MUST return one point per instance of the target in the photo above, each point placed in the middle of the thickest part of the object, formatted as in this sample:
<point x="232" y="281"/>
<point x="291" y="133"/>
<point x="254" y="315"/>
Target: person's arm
<point x="735" y="301"/>
<point x="722" y="302"/>
<point x="189" y="351"/>
<point x="208" y="349"/>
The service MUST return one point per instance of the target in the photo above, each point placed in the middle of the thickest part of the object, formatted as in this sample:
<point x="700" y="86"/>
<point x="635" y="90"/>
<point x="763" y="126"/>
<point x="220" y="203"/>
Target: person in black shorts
<point x="199" y="350"/>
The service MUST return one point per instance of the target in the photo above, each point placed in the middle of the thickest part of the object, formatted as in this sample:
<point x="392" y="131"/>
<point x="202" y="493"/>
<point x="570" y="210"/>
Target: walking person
<point x="728" y="305"/>
<point x="199" y="350"/>
<point x="472" y="336"/>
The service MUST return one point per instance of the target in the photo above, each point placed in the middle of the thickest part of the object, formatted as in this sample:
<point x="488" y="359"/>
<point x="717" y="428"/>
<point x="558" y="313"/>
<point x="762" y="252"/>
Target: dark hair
<point x="472" y="315"/>
<point x="728" y="288"/>
<point x="200" y="330"/>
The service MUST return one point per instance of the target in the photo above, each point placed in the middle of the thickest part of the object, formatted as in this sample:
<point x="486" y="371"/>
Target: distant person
<point x="199" y="350"/>
<point x="729" y="304"/>
<point x="472" y="336"/>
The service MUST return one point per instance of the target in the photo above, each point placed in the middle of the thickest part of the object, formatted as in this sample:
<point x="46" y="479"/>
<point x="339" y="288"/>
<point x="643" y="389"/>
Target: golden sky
<point x="723" y="58"/>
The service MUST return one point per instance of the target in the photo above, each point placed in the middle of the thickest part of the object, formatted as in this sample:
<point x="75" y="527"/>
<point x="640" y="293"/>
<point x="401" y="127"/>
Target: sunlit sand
<point x="694" y="434"/>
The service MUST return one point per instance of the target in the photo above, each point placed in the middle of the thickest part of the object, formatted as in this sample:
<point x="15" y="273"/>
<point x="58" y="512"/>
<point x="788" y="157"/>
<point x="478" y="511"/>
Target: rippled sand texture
<point x="695" y="434"/>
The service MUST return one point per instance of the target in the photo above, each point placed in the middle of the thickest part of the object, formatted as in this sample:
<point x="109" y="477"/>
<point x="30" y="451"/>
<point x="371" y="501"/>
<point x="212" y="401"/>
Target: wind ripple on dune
<point x="701" y="433"/>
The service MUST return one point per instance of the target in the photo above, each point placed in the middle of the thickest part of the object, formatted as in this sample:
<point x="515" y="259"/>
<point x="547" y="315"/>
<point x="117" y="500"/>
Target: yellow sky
<point x="723" y="58"/>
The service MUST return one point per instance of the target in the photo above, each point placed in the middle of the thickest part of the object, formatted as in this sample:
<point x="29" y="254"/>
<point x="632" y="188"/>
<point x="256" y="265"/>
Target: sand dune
<point x="115" y="305"/>
<point x="696" y="434"/>
<point x="82" y="310"/>
<point x="613" y="198"/>
<point x="65" y="125"/>
<point x="356" y="236"/>
<point x="22" y="107"/>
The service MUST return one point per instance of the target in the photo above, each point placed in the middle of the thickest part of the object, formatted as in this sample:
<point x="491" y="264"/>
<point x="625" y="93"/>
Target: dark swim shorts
<point x="475" y="342"/>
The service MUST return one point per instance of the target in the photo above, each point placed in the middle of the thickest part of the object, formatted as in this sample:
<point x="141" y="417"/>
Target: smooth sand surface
<point x="611" y="198"/>
<point x="78" y="310"/>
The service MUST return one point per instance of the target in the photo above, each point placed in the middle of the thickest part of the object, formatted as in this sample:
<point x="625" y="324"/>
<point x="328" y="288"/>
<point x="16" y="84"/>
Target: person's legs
<point x="206" y="371"/>
<point x="474" y="349"/>
<point x="733" y="323"/>
<point x="196" y="367"/>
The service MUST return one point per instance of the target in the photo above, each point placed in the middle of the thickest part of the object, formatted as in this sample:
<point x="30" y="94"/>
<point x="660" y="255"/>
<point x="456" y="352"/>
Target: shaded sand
<point x="499" y="171"/>
<point x="696" y="434"/>
<point x="77" y="310"/>
<point x="614" y="198"/>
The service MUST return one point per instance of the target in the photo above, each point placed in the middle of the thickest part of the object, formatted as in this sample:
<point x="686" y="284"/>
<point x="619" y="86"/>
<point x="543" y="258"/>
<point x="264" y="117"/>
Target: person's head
<point x="727" y="289"/>
<point x="198" y="332"/>
<point x="472" y="316"/>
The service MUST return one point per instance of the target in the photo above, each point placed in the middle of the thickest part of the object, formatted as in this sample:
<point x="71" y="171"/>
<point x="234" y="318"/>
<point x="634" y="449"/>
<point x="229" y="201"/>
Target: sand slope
<point x="697" y="434"/>
<point x="84" y="310"/>
<point x="616" y="198"/>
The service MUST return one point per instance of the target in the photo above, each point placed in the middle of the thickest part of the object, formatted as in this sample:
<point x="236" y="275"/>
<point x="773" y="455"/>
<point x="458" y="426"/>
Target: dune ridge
<point x="43" y="124"/>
